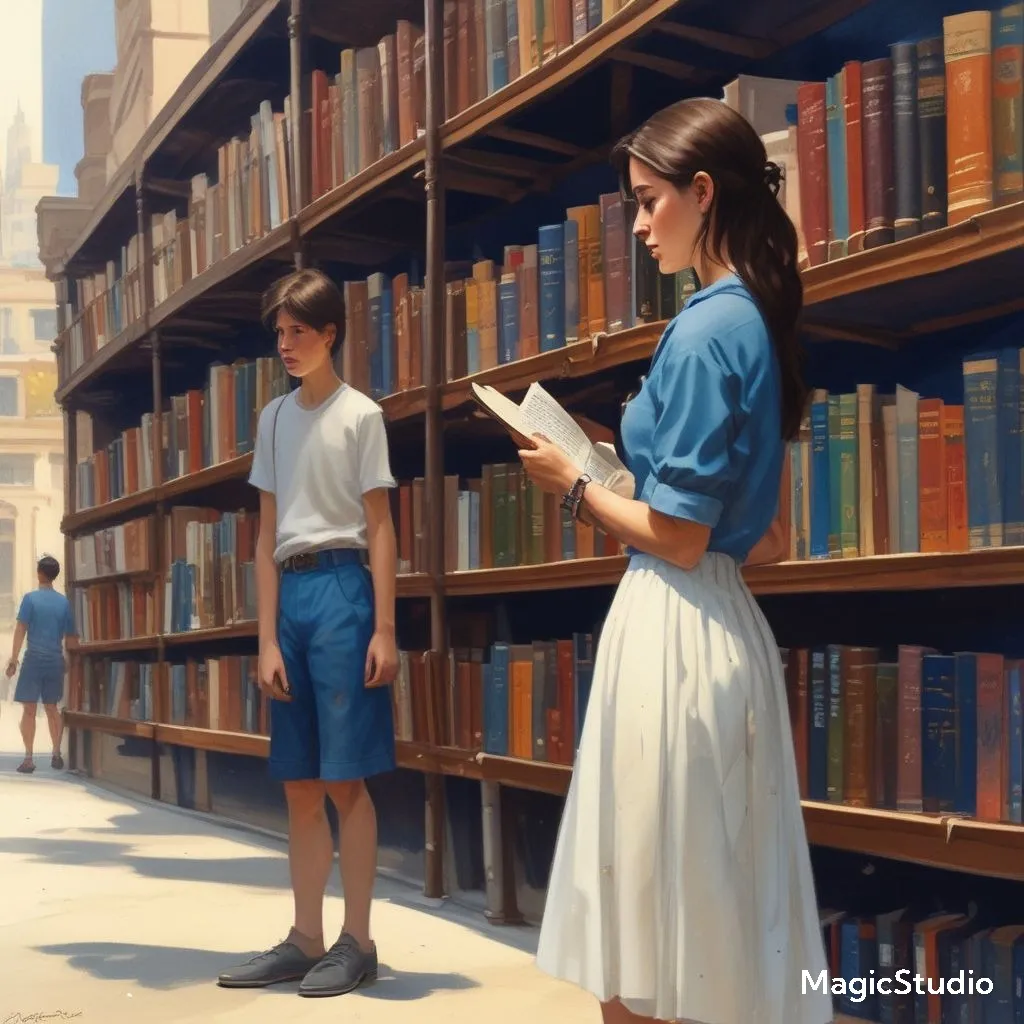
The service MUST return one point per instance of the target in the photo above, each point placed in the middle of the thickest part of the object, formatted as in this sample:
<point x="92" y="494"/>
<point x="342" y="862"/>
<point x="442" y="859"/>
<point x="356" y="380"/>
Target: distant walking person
<point x="45" y="617"/>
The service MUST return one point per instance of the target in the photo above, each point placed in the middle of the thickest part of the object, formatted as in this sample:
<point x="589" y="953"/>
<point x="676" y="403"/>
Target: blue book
<point x="583" y="676"/>
<point x="572" y="280"/>
<point x="966" y="733"/>
<point x="838" y="193"/>
<point x="551" y="292"/>
<point x="1008" y="421"/>
<point x="938" y="732"/>
<point x="981" y="451"/>
<point x="1008" y="31"/>
<point x="508" y="319"/>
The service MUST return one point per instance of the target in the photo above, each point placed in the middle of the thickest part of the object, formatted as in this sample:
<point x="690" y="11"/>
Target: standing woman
<point x="681" y="888"/>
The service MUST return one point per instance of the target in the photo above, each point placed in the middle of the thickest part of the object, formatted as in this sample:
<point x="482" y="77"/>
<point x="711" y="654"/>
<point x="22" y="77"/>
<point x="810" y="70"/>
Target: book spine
<point x="938" y="733"/>
<point x="931" y="113"/>
<point x="1008" y="387"/>
<point x="1008" y="103"/>
<point x="571" y="280"/>
<point x="966" y="682"/>
<point x="551" y="258"/>
<point x="820" y="516"/>
<point x="879" y="187"/>
<point x="981" y="436"/>
<point x="854" y="107"/>
<point x="906" y="141"/>
<point x="812" y="157"/>
<point x="968" y="54"/>
<point x="835" y="131"/>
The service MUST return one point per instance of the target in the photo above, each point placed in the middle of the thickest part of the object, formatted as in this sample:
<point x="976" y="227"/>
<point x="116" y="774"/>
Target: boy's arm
<point x="267" y="580"/>
<point x="24" y="614"/>
<point x="382" y="657"/>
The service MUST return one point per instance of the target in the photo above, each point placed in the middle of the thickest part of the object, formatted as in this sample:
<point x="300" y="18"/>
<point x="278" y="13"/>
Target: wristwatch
<point x="572" y="499"/>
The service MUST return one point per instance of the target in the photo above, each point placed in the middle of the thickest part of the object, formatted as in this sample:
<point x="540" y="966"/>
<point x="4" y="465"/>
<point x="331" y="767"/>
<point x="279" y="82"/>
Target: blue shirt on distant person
<point x="46" y="614"/>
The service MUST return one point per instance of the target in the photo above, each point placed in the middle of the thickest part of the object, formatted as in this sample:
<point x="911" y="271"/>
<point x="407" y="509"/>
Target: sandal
<point x="26" y="767"/>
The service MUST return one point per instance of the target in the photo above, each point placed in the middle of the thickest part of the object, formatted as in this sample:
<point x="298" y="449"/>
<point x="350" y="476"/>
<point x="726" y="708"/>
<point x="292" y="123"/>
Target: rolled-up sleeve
<point x="692" y="440"/>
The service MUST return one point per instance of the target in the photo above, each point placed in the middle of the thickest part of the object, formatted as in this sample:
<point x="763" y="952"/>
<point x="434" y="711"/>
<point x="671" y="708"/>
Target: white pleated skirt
<point x="681" y="882"/>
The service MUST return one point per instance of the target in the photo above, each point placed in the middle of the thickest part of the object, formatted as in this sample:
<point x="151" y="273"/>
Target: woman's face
<point x="668" y="218"/>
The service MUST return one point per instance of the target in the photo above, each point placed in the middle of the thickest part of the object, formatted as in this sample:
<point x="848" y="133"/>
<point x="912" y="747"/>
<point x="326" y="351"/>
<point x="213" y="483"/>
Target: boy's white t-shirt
<point x="324" y="461"/>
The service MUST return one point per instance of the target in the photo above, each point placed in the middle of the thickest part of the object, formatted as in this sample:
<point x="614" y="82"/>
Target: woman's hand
<point x="381" y="659"/>
<point x="272" y="678"/>
<point x="548" y="466"/>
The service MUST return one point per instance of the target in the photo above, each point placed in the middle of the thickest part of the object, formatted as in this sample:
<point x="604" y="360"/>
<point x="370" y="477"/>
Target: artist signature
<point x="38" y="1016"/>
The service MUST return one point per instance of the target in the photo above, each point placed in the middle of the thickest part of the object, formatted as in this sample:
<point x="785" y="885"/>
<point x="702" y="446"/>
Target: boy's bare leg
<point x="28" y="729"/>
<point x="56" y="724"/>
<point x="357" y="855"/>
<point x="309" y="859"/>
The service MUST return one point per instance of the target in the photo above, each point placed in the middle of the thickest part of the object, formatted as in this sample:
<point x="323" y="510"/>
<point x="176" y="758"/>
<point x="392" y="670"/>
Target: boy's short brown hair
<point x="312" y="298"/>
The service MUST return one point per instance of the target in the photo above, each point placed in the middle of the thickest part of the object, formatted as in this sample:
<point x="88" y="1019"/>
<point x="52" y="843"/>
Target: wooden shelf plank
<point x="983" y="568"/>
<point x="215" y="634"/>
<point x="540" y="776"/>
<point x="135" y="643"/>
<point x="108" y="724"/>
<point x="249" y="744"/>
<point x="331" y="203"/>
<point x="98" y="515"/>
<point x="103" y="357"/>
<point x="423" y="757"/>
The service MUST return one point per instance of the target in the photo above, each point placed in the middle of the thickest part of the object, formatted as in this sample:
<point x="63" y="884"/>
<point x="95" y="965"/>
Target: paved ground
<point x="117" y="910"/>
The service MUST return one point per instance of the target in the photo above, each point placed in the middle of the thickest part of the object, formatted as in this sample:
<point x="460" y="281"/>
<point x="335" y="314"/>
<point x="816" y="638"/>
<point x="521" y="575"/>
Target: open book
<point x="539" y="413"/>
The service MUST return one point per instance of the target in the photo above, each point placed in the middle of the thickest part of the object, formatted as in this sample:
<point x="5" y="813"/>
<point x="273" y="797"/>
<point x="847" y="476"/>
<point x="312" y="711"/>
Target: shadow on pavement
<point x="169" y="967"/>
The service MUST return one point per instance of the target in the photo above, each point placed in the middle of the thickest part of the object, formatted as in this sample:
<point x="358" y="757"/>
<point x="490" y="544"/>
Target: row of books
<point x="94" y="309"/>
<point x="921" y="731"/>
<point x="875" y="474"/>
<point x="201" y="427"/>
<point x="250" y="197"/>
<point x="915" y="963"/>
<point x="502" y="519"/>
<point x="211" y="574"/>
<point x="114" y="550"/>
<point x="121" y="610"/>
<point x="113" y="686"/>
<point x="893" y="147"/>
<point x="490" y="43"/>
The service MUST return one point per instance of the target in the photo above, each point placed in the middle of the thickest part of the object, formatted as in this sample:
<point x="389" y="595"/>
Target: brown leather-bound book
<point x="416" y="335"/>
<point x="455" y="330"/>
<point x="956" y="479"/>
<point x="932" y="505"/>
<point x="968" y="52"/>
<point x="319" y="96"/>
<point x="529" y="321"/>
<point x="853" y="110"/>
<point x="992" y="737"/>
<point x="527" y="35"/>
<point x="798" y="686"/>
<point x="402" y="332"/>
<point x="563" y="24"/>
<point x="908" y="774"/>
<point x="521" y="701"/>
<point x="1007" y="104"/>
<point x="451" y="522"/>
<point x="812" y="156"/>
<point x="615" y="246"/>
<point x="886" y="734"/>
<point x="566" y="658"/>
<point x="859" y="726"/>
<point x="370" y="134"/>
<point x="478" y="52"/>
<point x="404" y="36"/>
<point x="464" y="53"/>
<point x="486" y="517"/>
<point x="879" y="173"/>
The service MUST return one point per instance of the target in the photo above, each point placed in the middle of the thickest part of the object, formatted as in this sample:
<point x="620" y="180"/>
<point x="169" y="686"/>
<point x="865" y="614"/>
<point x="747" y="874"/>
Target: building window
<point x="45" y="321"/>
<point x="8" y="346"/>
<point x="57" y="472"/>
<point x="17" y="470"/>
<point x="8" y="396"/>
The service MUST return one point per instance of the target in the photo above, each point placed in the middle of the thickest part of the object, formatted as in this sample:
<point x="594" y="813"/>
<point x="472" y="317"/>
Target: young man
<point x="45" y="617"/>
<point x="327" y="647"/>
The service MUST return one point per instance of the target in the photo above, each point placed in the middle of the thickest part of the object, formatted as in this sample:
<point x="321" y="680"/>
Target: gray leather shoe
<point x="344" y="967"/>
<point x="285" y="962"/>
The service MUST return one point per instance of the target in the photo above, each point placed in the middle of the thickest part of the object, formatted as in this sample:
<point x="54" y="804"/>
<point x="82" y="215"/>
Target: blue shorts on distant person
<point x="41" y="679"/>
<point x="334" y="728"/>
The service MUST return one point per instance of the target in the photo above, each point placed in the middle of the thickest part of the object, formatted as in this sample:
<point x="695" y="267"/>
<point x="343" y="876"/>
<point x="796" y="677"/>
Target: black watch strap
<point x="572" y="499"/>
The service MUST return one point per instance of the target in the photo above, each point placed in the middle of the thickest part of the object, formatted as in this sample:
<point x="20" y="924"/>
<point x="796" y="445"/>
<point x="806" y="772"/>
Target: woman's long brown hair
<point x="745" y="223"/>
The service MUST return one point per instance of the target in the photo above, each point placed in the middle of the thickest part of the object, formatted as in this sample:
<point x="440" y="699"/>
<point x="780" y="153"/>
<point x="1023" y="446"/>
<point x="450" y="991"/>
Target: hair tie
<point x="773" y="176"/>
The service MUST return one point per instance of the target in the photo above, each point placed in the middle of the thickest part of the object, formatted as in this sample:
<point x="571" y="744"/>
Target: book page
<point x="503" y="408"/>
<point x="545" y="416"/>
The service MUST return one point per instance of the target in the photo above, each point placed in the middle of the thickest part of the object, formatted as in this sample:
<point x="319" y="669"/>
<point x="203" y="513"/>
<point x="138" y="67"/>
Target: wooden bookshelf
<point x="499" y="150"/>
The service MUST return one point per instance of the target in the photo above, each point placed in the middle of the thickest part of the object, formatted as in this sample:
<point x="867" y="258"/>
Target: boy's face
<point x="302" y="348"/>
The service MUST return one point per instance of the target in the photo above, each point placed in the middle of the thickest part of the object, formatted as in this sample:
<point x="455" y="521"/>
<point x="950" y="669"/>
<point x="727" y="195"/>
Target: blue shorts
<point x="334" y="728"/>
<point x="41" y="680"/>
